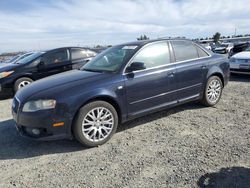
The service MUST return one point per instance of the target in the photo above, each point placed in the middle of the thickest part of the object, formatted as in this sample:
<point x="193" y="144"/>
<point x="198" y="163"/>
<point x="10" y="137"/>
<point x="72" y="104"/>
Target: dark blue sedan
<point x="123" y="82"/>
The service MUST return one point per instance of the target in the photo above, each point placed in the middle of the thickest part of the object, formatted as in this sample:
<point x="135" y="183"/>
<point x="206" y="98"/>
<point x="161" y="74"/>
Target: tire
<point x="87" y="123"/>
<point x="213" y="91"/>
<point x="21" y="82"/>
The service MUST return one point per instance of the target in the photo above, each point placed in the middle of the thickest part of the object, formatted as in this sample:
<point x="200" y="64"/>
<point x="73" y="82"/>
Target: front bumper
<point x="29" y="124"/>
<point x="5" y="89"/>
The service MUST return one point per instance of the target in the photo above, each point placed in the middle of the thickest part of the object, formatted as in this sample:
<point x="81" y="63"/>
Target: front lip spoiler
<point x="48" y="138"/>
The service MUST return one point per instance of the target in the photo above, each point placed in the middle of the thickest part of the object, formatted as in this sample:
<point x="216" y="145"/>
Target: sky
<point x="44" y="24"/>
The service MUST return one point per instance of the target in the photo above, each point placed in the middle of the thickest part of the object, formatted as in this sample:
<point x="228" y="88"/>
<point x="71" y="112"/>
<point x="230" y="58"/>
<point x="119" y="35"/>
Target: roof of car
<point x="143" y="42"/>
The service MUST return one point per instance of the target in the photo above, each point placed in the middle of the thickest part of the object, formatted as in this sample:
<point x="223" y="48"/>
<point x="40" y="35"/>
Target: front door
<point x="153" y="87"/>
<point x="54" y="62"/>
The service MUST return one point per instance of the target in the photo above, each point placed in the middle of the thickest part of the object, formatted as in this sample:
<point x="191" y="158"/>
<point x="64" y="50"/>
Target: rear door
<point x="191" y="67"/>
<point x="153" y="87"/>
<point x="54" y="62"/>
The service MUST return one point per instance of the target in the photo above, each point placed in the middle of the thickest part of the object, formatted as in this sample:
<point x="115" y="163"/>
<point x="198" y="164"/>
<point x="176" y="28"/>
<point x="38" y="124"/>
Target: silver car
<point x="240" y="62"/>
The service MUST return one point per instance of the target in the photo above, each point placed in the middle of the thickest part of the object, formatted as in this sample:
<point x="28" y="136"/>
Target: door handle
<point x="171" y="74"/>
<point x="204" y="66"/>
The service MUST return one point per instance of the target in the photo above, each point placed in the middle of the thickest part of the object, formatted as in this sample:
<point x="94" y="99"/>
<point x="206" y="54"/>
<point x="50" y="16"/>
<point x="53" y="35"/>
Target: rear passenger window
<point x="184" y="50"/>
<point x="201" y="52"/>
<point x="78" y="54"/>
<point x="154" y="55"/>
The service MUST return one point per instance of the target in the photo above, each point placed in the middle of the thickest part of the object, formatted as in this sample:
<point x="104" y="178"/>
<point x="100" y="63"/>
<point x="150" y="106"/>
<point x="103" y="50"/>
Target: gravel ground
<point x="188" y="146"/>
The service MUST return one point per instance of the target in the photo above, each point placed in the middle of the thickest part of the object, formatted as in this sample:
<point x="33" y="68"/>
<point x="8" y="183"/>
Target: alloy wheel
<point x="97" y="124"/>
<point x="23" y="84"/>
<point x="214" y="91"/>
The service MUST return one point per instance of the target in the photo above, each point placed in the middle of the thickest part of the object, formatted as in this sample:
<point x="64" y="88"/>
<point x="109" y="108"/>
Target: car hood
<point x="59" y="80"/>
<point x="7" y="66"/>
<point x="242" y="55"/>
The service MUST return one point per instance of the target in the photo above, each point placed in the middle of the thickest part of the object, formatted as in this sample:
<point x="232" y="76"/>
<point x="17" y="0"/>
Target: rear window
<point x="78" y="54"/>
<point x="184" y="50"/>
<point x="201" y="52"/>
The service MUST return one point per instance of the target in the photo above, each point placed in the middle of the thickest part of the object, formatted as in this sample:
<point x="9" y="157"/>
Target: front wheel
<point x="95" y="124"/>
<point x="22" y="82"/>
<point x="213" y="91"/>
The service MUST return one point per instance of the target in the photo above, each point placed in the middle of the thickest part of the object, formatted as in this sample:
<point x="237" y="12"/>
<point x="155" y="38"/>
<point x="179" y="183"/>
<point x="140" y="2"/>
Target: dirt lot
<point x="189" y="146"/>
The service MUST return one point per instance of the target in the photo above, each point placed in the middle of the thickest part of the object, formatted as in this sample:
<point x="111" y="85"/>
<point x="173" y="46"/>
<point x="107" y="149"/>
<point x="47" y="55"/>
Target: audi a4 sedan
<point x="121" y="83"/>
<point x="16" y="75"/>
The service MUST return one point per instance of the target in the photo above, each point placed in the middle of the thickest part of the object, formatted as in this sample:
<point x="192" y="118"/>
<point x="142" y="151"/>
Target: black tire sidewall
<point x="18" y="81"/>
<point x="77" y="127"/>
<point x="206" y="101"/>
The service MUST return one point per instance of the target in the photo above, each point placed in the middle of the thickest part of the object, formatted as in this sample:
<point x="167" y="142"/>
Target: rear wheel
<point x="95" y="124"/>
<point x="22" y="82"/>
<point x="213" y="91"/>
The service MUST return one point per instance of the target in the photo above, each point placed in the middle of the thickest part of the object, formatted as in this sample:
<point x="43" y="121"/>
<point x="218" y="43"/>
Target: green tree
<point x="216" y="37"/>
<point x="143" y="37"/>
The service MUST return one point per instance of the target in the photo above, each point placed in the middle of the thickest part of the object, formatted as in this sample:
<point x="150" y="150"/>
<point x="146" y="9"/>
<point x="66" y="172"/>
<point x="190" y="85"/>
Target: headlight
<point x="232" y="60"/>
<point x="33" y="106"/>
<point x="5" y="74"/>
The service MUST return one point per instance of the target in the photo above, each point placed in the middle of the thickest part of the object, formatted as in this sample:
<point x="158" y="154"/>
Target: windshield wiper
<point x="93" y="70"/>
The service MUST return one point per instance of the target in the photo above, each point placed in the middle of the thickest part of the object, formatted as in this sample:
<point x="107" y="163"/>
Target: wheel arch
<point x="216" y="71"/>
<point x="104" y="98"/>
<point x="219" y="75"/>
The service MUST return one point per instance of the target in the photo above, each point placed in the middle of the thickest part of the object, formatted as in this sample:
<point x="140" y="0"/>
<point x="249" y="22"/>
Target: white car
<point x="224" y="48"/>
<point x="240" y="62"/>
<point x="207" y="46"/>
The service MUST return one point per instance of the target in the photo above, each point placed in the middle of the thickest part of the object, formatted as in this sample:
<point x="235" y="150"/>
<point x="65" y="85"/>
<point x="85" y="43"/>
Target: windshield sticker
<point x="129" y="47"/>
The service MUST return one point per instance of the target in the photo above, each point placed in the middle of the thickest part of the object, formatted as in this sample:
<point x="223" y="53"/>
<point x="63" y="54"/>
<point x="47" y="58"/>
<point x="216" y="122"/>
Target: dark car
<point x="224" y="48"/>
<point x="14" y="76"/>
<point x="123" y="82"/>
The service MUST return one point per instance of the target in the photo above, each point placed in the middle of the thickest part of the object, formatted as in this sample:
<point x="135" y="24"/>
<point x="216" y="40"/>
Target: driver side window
<point x="56" y="57"/>
<point x="154" y="55"/>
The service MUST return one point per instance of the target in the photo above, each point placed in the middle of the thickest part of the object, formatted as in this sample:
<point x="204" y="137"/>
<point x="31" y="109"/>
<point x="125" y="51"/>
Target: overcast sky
<point x="44" y="24"/>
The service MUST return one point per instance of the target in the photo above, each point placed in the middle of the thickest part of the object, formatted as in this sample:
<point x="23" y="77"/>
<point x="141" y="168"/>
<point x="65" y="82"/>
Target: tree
<point x="216" y="37"/>
<point x="143" y="37"/>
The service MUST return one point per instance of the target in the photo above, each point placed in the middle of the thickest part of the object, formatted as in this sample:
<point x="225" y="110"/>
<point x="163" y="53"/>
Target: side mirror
<point x="41" y="65"/>
<point x="135" y="66"/>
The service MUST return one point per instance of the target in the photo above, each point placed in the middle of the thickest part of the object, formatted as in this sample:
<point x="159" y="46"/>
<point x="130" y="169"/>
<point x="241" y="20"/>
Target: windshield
<point x="29" y="58"/>
<point x="111" y="59"/>
<point x="13" y="59"/>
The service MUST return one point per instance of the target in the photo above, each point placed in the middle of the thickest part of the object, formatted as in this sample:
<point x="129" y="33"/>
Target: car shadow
<point x="226" y="178"/>
<point x="13" y="146"/>
<point x="5" y="97"/>
<point x="240" y="78"/>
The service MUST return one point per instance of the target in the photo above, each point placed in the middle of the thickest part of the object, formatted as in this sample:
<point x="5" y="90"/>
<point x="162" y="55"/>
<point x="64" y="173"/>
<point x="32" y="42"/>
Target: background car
<point x="224" y="48"/>
<point x="207" y="46"/>
<point x="123" y="82"/>
<point x="14" y="76"/>
<point x="239" y="47"/>
<point x="240" y="62"/>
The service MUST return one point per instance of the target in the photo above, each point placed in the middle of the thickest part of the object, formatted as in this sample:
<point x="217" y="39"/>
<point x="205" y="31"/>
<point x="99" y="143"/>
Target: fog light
<point x="36" y="132"/>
